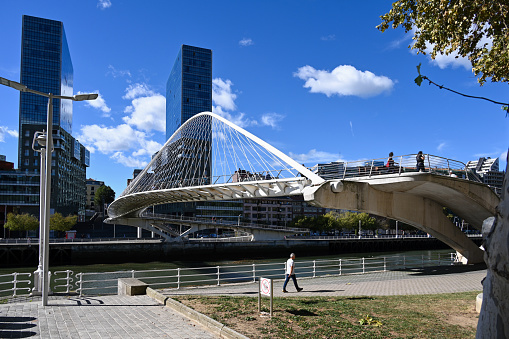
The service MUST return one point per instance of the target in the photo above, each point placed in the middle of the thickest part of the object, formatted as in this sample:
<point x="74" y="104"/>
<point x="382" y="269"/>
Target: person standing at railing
<point x="390" y="163"/>
<point x="420" y="162"/>
<point x="290" y="272"/>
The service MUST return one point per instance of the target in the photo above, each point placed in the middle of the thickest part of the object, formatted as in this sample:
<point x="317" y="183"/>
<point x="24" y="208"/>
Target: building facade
<point x="92" y="186"/>
<point x="46" y="66"/>
<point x="488" y="170"/>
<point x="19" y="192"/>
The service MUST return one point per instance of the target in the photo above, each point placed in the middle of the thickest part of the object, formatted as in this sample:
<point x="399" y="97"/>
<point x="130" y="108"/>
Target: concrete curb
<point x="212" y="325"/>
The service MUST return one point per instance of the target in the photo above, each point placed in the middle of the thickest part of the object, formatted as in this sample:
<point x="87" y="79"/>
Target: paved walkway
<point x="97" y="317"/>
<point x="142" y="317"/>
<point x="445" y="279"/>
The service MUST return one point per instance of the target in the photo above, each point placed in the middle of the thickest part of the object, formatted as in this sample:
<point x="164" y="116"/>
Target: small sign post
<point x="266" y="288"/>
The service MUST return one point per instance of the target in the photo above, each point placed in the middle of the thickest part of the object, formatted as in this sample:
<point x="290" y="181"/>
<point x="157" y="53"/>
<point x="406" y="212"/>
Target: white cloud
<point x="351" y="129"/>
<point x="118" y="73"/>
<point x="314" y="156"/>
<point x="137" y="90"/>
<point x="344" y="80"/>
<point x="222" y="94"/>
<point x="128" y="161"/>
<point x="272" y="119"/>
<point x="118" y="140"/>
<point x="441" y="146"/>
<point x="103" y="4"/>
<point x="453" y="59"/>
<point x="246" y="42"/>
<point x="503" y="156"/>
<point x="129" y="143"/>
<point x="147" y="113"/>
<point x="6" y="131"/>
<point x="329" y="37"/>
<point x="98" y="103"/>
<point x="109" y="139"/>
<point x="238" y="119"/>
<point x="224" y="98"/>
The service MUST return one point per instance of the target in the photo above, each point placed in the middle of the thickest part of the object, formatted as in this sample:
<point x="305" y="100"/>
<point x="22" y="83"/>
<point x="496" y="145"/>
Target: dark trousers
<point x="294" y="281"/>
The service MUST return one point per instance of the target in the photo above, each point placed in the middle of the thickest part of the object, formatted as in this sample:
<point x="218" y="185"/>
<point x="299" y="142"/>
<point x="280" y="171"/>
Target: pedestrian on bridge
<point x="420" y="162"/>
<point x="390" y="163"/>
<point x="290" y="272"/>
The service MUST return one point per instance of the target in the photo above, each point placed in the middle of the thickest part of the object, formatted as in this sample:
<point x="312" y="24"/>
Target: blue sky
<point x="315" y="79"/>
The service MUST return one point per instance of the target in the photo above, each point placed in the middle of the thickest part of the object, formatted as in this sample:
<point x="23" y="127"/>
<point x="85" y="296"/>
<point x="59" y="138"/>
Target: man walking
<point x="290" y="272"/>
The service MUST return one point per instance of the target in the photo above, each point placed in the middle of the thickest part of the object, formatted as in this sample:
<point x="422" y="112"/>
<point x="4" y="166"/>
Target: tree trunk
<point x="494" y="317"/>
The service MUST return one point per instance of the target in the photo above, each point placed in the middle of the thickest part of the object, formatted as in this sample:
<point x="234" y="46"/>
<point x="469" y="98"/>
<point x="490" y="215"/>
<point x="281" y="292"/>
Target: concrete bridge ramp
<point x="417" y="199"/>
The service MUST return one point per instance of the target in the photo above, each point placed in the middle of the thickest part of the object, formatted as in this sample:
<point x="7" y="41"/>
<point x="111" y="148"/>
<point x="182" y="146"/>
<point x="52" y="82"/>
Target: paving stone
<point x="142" y="317"/>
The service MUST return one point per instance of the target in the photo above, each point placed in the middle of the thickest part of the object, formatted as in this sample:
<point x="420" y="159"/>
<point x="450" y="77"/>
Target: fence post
<point x="80" y="283"/>
<point x="68" y="281"/>
<point x="178" y="278"/>
<point x="385" y="265"/>
<point x="404" y="261"/>
<point x="15" y="283"/>
<point x="218" y="276"/>
<point x="339" y="266"/>
<point x="422" y="260"/>
<point x="254" y="272"/>
<point x="363" y="267"/>
<point x="314" y="268"/>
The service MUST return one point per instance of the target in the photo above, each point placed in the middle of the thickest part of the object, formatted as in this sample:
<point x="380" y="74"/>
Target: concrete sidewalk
<point x="434" y="280"/>
<point x="143" y="317"/>
<point x="97" y="317"/>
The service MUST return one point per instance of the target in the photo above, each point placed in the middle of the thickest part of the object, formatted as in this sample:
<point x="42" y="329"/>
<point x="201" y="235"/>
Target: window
<point x="27" y="153"/>
<point x="27" y="143"/>
<point x="27" y="133"/>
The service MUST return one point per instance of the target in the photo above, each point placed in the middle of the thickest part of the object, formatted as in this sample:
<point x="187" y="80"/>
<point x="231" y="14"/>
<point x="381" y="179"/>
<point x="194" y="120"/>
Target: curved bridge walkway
<point x="209" y="158"/>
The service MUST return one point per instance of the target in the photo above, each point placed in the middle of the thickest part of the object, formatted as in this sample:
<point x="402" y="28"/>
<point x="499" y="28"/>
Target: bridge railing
<point x="402" y="164"/>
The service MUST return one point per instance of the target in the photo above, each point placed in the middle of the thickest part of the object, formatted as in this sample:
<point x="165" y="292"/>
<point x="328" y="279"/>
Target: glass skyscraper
<point x="189" y="92"/>
<point x="46" y="66"/>
<point x="189" y="87"/>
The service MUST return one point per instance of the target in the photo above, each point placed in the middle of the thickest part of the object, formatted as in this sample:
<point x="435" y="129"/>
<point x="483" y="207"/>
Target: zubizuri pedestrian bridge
<point x="209" y="159"/>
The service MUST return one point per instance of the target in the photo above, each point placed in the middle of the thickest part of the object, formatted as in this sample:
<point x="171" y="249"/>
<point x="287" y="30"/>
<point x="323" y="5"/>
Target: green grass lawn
<point x="415" y="316"/>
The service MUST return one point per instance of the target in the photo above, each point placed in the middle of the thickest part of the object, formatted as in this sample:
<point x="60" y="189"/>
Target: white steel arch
<point x="210" y="158"/>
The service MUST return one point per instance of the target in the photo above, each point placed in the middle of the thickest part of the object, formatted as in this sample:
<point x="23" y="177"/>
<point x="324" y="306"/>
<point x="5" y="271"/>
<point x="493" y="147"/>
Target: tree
<point x="104" y="195"/>
<point x="476" y="29"/>
<point x="21" y="222"/>
<point x="350" y="220"/>
<point x="60" y="223"/>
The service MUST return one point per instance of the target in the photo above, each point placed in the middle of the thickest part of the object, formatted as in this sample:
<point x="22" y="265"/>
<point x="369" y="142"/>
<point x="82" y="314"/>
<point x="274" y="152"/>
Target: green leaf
<point x="418" y="80"/>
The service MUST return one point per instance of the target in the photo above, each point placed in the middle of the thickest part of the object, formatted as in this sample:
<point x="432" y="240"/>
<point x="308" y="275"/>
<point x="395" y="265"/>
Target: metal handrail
<point x="227" y="274"/>
<point x="14" y="282"/>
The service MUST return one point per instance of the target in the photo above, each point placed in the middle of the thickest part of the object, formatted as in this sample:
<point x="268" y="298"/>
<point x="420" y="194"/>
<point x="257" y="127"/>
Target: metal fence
<point x="100" y="283"/>
<point x="402" y="164"/>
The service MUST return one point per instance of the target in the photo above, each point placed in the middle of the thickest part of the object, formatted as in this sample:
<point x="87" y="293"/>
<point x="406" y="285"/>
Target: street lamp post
<point x="45" y="182"/>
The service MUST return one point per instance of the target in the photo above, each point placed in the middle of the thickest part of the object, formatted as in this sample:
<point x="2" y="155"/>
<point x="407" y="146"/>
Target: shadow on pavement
<point x="15" y="327"/>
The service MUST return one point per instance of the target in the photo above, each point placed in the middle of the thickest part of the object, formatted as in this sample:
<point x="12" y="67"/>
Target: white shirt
<point x="289" y="264"/>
